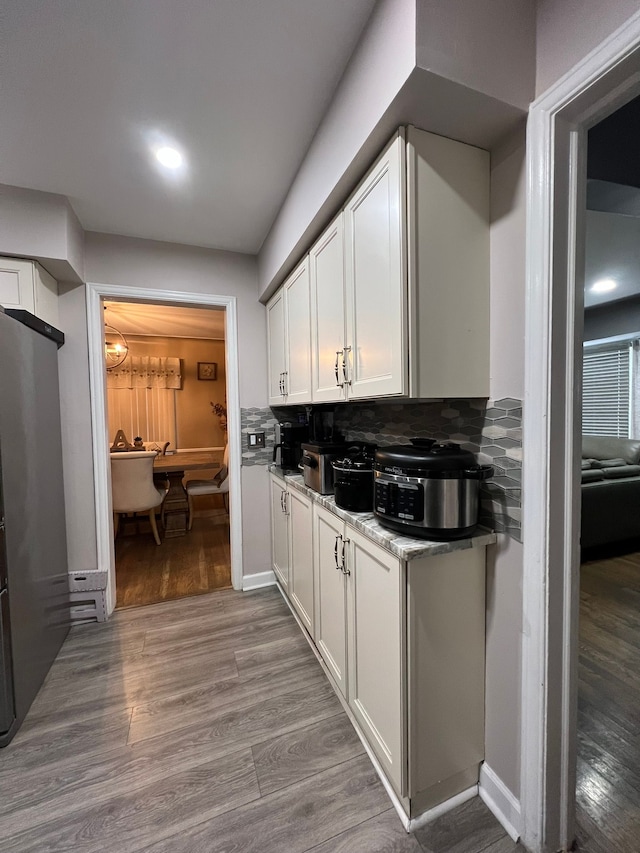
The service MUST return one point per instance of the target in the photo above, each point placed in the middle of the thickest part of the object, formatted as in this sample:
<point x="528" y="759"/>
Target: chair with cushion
<point x="218" y="485"/>
<point x="132" y="487"/>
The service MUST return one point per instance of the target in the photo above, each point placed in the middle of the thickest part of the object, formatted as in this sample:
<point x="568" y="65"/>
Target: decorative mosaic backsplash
<point x="252" y="420"/>
<point x="490" y="429"/>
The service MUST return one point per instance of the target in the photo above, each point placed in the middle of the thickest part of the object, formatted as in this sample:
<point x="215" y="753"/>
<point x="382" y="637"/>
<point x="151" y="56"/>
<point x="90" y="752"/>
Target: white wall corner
<point x="258" y="580"/>
<point x="500" y="801"/>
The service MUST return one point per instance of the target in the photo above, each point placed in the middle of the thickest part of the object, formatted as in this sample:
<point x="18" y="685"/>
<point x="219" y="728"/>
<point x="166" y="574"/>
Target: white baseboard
<point x="258" y="580"/>
<point x="500" y="801"/>
<point x="442" y="808"/>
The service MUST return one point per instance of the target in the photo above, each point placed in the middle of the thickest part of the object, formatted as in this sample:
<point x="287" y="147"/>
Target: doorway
<point x="166" y="393"/>
<point x="558" y="123"/>
<point x="607" y="787"/>
<point x="96" y="293"/>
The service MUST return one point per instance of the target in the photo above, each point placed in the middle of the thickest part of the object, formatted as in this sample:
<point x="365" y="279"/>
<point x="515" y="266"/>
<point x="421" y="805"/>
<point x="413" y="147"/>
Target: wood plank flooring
<point x="193" y="564"/>
<point x="608" y="769"/>
<point x="202" y="725"/>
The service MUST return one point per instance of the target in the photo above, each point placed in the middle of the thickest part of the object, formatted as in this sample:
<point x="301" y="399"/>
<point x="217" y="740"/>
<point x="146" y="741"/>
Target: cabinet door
<point x="297" y="306"/>
<point x="331" y="614"/>
<point x="326" y="260"/>
<point x="301" y="557"/>
<point x="375" y="276"/>
<point x="276" y="344"/>
<point x="377" y="651"/>
<point x="279" y="532"/>
<point x="16" y="284"/>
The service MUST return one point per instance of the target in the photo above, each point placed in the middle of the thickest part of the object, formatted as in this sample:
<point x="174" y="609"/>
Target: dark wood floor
<point x="203" y="725"/>
<point x="608" y="777"/>
<point x="193" y="564"/>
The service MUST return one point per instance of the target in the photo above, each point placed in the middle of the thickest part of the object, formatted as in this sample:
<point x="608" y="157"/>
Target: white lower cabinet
<point x="280" y="531"/>
<point x="359" y="634"/>
<point x="375" y="595"/>
<point x="331" y="595"/>
<point x="301" y="557"/>
<point x="403" y="642"/>
<point x="292" y="547"/>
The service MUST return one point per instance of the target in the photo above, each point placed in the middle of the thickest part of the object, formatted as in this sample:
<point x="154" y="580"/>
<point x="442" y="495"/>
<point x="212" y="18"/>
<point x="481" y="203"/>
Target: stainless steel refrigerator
<point x="34" y="596"/>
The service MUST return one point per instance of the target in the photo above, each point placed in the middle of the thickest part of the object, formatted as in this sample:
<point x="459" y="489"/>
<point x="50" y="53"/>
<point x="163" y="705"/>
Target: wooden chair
<point x="132" y="487"/>
<point x="218" y="485"/>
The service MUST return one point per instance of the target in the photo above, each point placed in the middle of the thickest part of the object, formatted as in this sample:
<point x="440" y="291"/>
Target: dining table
<point x="171" y="468"/>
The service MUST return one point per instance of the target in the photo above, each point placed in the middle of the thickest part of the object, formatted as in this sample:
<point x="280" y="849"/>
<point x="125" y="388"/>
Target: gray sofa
<point x="610" y="490"/>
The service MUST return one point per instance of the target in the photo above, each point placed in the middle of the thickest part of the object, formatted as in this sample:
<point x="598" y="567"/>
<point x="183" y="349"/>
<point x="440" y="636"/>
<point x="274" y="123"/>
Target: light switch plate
<point x="255" y="439"/>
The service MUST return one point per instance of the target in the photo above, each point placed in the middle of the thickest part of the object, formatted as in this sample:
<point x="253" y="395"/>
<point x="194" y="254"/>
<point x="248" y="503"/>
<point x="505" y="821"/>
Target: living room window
<point x="609" y="371"/>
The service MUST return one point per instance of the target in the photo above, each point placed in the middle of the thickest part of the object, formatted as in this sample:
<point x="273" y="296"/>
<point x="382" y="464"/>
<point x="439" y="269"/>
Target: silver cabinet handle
<point x="285" y="501"/>
<point x="335" y="552"/>
<point x="282" y="501"/>
<point x="338" y="354"/>
<point x="284" y="383"/>
<point x="345" y="570"/>
<point x="344" y="365"/>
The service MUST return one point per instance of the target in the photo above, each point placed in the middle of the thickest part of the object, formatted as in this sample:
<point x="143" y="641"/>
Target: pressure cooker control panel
<point x="404" y="501"/>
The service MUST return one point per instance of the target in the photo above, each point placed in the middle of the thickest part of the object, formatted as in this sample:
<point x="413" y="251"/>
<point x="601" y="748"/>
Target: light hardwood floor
<point x="203" y="725"/>
<point x="196" y="563"/>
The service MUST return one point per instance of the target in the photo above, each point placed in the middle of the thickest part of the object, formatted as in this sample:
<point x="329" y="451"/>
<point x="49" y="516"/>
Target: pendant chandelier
<point x="116" y="348"/>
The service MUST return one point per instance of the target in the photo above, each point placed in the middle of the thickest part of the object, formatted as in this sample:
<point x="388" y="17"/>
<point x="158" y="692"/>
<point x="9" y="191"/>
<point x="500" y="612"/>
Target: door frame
<point x="96" y="292"/>
<point x="556" y="179"/>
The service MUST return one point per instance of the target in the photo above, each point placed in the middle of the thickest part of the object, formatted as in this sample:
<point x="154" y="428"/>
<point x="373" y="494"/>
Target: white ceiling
<point x="141" y="318"/>
<point x="239" y="86"/>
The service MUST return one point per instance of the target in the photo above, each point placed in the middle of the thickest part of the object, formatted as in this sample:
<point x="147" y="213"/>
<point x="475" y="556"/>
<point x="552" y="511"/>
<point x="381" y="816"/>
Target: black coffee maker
<point x="287" y="451"/>
<point x="322" y="429"/>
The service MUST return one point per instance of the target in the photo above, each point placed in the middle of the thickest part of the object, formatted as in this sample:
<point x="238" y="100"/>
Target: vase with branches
<point x="221" y="411"/>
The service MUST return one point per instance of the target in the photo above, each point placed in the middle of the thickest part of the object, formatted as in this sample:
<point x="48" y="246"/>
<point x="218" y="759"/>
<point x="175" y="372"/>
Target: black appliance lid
<point x="426" y="458"/>
<point x="353" y="463"/>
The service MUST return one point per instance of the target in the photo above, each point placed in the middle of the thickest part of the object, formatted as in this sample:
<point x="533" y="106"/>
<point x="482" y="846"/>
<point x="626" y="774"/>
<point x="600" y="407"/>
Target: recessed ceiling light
<point x="169" y="157"/>
<point x="604" y="285"/>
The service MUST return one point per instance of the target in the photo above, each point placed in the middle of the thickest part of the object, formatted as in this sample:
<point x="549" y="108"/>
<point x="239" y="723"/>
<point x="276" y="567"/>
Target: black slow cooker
<point x="428" y="489"/>
<point x="353" y="478"/>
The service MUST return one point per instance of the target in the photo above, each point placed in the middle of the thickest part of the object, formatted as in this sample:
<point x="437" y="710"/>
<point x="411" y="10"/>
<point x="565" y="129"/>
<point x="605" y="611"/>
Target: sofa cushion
<point x="621" y="471"/>
<point x="586" y="464"/>
<point x="607" y="463"/>
<point x="592" y="474"/>
<point x="610" y="447"/>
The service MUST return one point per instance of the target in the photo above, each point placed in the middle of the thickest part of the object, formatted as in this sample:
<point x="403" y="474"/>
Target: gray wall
<point x="567" y="30"/>
<point x="42" y="226"/>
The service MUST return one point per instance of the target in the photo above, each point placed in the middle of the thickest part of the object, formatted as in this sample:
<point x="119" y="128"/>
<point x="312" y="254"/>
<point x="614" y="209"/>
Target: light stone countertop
<point x="405" y="547"/>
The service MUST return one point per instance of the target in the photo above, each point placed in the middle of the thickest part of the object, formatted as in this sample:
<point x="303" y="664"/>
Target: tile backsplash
<point x="491" y="429"/>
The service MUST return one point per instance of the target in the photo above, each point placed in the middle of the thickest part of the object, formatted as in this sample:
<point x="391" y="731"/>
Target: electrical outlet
<point x="256" y="439"/>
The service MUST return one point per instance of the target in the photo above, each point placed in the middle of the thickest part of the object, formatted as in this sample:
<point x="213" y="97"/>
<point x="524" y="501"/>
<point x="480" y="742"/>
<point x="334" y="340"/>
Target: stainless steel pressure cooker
<point x="428" y="489"/>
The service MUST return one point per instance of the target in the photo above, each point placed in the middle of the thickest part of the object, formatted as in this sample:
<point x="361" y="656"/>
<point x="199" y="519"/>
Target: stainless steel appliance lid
<point x="430" y="459"/>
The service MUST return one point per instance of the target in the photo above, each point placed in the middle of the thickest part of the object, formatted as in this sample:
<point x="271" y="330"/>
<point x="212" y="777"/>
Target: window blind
<point x="606" y="389"/>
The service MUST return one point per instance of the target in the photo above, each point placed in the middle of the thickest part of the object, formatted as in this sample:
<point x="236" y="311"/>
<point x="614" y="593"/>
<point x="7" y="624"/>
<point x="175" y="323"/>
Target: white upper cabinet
<point x="375" y="279"/>
<point x="276" y="344"/>
<point x="328" y="330"/>
<point x="297" y="382"/>
<point x="448" y="252"/>
<point x="399" y="284"/>
<point x="26" y="285"/>
<point x="289" y="335"/>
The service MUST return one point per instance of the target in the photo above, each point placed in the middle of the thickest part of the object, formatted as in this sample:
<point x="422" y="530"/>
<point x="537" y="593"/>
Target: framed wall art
<point x="207" y="370"/>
